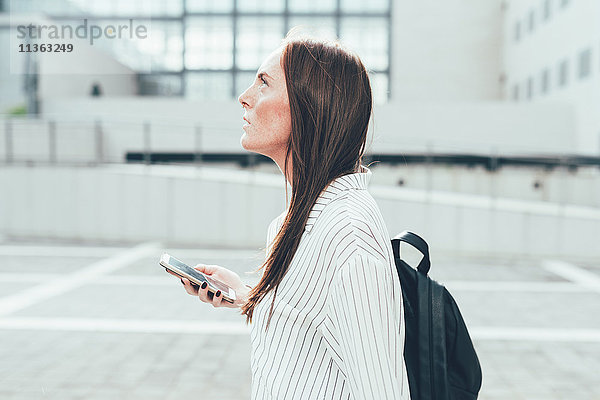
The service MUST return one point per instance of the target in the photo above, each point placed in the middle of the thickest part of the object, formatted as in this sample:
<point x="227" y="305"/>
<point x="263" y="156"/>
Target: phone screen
<point x="187" y="269"/>
<point x="203" y="278"/>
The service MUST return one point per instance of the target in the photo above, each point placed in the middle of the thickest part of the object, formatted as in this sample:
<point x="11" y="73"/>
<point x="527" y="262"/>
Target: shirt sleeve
<point x="361" y="309"/>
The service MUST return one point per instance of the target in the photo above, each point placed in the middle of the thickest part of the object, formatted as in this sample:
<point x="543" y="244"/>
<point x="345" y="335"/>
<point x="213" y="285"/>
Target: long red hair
<point x="330" y="104"/>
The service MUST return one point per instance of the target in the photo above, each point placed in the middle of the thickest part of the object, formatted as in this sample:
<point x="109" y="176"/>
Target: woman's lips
<point x="247" y="124"/>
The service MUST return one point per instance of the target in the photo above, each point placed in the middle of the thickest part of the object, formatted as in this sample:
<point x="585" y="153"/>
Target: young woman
<point x="327" y="315"/>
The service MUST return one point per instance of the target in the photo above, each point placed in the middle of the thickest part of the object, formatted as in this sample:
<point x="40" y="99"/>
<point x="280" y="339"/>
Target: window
<point x="530" y="88"/>
<point x="547" y="10"/>
<point x="545" y="81"/>
<point x="563" y="73"/>
<point x="515" y="92"/>
<point x="194" y="6"/>
<point x="208" y="43"/>
<point x="260" y="5"/>
<point x="160" y="85"/>
<point x="364" y="6"/>
<point x="531" y="20"/>
<point x="312" y="5"/>
<point x="564" y="3"/>
<point x="369" y="38"/>
<point x="517" y="31"/>
<point x="320" y="26"/>
<point x="208" y="85"/>
<point x="196" y="45"/>
<point x="585" y="60"/>
<point x="256" y="38"/>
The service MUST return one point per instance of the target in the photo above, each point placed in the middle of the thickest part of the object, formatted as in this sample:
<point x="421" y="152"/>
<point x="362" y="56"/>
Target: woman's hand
<point x="222" y="274"/>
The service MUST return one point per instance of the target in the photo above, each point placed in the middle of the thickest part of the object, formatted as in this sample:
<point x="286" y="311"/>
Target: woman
<point x="327" y="314"/>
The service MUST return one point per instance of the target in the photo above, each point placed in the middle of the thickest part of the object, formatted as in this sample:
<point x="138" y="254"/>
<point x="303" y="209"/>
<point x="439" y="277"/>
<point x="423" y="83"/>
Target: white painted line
<point x="82" y="276"/>
<point x="462" y="286"/>
<point x="59" y="251"/>
<point x="27" y="277"/>
<point x="520" y="286"/>
<point x="574" y="274"/>
<point x="535" y="334"/>
<point x="240" y="328"/>
<point x="83" y="251"/>
<point x="127" y="325"/>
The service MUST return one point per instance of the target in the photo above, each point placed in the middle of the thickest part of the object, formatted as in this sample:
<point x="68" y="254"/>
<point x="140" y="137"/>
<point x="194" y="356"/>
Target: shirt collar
<point x="356" y="180"/>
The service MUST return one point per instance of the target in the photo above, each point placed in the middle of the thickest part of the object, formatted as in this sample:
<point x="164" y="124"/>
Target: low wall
<point x="203" y="206"/>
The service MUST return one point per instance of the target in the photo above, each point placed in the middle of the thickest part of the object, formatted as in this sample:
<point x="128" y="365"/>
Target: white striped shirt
<point x="337" y="330"/>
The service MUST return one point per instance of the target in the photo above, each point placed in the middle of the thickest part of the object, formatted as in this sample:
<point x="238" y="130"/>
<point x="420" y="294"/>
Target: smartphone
<point x="182" y="269"/>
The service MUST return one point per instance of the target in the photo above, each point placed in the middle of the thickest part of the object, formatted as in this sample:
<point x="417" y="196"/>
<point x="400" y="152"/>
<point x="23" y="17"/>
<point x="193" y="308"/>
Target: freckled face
<point x="267" y="110"/>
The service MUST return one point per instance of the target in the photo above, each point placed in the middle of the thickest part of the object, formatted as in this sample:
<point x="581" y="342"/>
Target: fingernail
<point x="218" y="293"/>
<point x="204" y="284"/>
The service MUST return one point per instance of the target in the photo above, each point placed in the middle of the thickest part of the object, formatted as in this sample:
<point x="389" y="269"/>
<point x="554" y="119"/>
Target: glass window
<point x="517" y="31"/>
<point x="209" y="5"/>
<point x="529" y="87"/>
<point x="361" y="5"/>
<point x="563" y="73"/>
<point x="515" y="92"/>
<point x="123" y="8"/>
<point x="369" y="38"/>
<point x="160" y="85"/>
<point x="209" y="42"/>
<point x="46" y="7"/>
<point x="260" y="5"/>
<point x="208" y="85"/>
<point x="531" y="20"/>
<point x="545" y="81"/>
<point x="564" y="3"/>
<point x="256" y="38"/>
<point x="243" y="80"/>
<point x="163" y="48"/>
<point x="318" y="26"/>
<point x="547" y="10"/>
<point x="312" y="5"/>
<point x="585" y="60"/>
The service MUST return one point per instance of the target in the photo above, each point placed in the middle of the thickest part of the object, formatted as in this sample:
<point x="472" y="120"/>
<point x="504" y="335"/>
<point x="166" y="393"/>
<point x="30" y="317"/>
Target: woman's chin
<point x="247" y="143"/>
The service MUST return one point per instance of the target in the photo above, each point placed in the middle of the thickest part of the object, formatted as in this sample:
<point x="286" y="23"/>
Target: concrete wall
<point x="563" y="36"/>
<point x="446" y="50"/>
<point x="212" y="207"/>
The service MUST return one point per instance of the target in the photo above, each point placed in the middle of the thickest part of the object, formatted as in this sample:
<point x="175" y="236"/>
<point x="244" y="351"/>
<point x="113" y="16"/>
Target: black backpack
<point x="440" y="359"/>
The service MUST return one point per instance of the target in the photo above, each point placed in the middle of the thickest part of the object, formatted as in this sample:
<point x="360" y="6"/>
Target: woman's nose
<point x="242" y="99"/>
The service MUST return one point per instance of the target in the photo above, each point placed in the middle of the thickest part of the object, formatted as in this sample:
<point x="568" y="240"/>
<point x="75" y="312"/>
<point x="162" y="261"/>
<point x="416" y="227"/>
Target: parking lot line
<point x="573" y="273"/>
<point x="535" y="334"/>
<point x="95" y="251"/>
<point x="126" y="325"/>
<point x="59" y="251"/>
<point x="67" y="282"/>
<point x="240" y="328"/>
<point x="463" y="286"/>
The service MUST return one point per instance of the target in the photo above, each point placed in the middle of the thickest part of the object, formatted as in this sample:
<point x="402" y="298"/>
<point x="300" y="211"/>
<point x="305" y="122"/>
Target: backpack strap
<point x="417" y="242"/>
<point x="438" y="349"/>
<point x="425" y="338"/>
